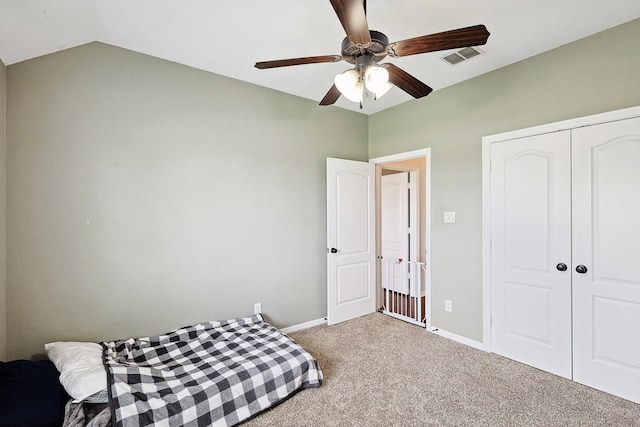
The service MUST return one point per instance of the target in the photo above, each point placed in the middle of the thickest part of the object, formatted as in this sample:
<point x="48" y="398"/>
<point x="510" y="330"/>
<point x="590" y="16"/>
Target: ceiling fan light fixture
<point x="376" y="80"/>
<point x="349" y="85"/>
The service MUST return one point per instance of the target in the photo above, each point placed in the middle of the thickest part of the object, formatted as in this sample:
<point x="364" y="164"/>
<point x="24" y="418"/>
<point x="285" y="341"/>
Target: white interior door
<point x="351" y="256"/>
<point x="606" y="241"/>
<point x="530" y="243"/>
<point x="394" y="226"/>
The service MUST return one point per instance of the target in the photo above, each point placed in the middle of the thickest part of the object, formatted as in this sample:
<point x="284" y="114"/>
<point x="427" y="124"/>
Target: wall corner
<point x="3" y="211"/>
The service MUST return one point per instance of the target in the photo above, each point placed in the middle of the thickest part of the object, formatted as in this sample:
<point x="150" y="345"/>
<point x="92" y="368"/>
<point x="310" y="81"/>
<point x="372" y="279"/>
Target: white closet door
<point x="606" y="241"/>
<point x="530" y="237"/>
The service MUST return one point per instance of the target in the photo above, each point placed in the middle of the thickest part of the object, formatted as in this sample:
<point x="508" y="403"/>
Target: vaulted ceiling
<point x="228" y="36"/>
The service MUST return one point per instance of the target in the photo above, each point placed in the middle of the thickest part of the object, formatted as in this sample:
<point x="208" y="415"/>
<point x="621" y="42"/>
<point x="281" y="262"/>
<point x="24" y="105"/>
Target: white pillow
<point x="82" y="373"/>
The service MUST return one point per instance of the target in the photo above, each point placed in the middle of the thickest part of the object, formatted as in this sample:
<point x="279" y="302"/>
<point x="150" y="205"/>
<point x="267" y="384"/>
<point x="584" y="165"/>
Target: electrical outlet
<point x="448" y="305"/>
<point x="257" y="308"/>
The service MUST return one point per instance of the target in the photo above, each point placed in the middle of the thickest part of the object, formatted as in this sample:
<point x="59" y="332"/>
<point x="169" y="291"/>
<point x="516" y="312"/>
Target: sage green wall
<point x="3" y="213"/>
<point x="144" y="195"/>
<point x="596" y="74"/>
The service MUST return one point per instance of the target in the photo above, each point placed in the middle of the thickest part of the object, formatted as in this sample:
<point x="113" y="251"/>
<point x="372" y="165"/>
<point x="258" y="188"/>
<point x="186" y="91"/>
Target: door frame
<point x="594" y="119"/>
<point x="425" y="200"/>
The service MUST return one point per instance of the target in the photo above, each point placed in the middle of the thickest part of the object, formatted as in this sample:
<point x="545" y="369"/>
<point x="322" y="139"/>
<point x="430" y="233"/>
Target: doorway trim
<point x="425" y="197"/>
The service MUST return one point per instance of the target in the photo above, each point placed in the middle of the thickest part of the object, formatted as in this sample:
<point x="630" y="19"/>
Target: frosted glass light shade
<point x="378" y="94"/>
<point x="376" y="79"/>
<point x="349" y="85"/>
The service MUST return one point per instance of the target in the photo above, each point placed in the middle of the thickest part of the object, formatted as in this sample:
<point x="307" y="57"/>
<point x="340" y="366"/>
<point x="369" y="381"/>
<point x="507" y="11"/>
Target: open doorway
<point x="403" y="236"/>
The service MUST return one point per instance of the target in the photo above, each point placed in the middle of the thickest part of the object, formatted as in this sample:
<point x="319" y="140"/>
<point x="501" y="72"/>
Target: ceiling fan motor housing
<point x="351" y="51"/>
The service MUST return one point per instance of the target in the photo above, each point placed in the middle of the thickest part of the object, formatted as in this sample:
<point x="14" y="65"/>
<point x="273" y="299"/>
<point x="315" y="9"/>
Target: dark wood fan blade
<point x="462" y="37"/>
<point x="353" y="19"/>
<point x="406" y="82"/>
<point x="298" y="61"/>
<point x="331" y="97"/>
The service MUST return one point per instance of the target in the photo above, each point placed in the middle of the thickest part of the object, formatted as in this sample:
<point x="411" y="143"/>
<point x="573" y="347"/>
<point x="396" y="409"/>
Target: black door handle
<point x="561" y="267"/>
<point x="334" y="251"/>
<point x="581" y="269"/>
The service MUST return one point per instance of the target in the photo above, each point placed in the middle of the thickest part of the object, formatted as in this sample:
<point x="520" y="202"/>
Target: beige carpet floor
<point x="380" y="371"/>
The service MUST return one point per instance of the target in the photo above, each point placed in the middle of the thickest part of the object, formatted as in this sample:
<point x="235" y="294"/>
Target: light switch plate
<point x="449" y="217"/>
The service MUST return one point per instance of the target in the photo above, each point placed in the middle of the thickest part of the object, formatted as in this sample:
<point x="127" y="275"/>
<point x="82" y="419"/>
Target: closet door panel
<point x="606" y="241"/>
<point x="531" y="235"/>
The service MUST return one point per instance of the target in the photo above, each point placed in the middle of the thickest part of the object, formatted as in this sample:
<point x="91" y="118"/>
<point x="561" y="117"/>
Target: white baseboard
<point x="305" y="325"/>
<point x="458" y="338"/>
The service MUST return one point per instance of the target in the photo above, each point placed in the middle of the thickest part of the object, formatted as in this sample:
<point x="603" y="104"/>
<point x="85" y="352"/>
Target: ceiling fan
<point x="366" y="48"/>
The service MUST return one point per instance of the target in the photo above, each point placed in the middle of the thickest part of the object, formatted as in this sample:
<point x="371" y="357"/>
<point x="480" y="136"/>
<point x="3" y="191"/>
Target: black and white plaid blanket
<point x="214" y="373"/>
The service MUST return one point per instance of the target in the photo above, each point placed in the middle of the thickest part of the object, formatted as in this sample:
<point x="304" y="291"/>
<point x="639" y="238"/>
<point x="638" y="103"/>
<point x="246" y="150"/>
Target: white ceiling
<point x="228" y="36"/>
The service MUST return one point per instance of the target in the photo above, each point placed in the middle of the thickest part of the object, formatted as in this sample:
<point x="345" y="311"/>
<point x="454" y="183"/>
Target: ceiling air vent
<point x="462" y="55"/>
